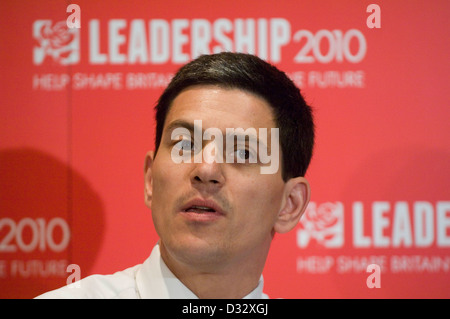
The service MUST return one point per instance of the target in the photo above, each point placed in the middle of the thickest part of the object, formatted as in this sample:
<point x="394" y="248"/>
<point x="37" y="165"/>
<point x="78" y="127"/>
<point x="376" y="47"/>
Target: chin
<point x="195" y="250"/>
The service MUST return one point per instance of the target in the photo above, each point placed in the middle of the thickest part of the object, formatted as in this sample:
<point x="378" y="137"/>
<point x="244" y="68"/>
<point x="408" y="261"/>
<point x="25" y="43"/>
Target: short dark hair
<point x="249" y="73"/>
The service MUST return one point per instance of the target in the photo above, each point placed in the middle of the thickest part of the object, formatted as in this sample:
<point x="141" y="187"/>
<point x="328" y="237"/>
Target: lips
<point x="201" y="209"/>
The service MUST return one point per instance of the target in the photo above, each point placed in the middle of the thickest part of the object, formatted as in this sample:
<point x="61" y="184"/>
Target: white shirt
<point x="150" y="280"/>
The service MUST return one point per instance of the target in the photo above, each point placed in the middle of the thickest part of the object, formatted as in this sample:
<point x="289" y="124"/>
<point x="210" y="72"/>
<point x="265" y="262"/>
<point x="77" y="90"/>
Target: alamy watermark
<point x="241" y="146"/>
<point x="73" y="280"/>
<point x="374" y="279"/>
<point x="73" y="21"/>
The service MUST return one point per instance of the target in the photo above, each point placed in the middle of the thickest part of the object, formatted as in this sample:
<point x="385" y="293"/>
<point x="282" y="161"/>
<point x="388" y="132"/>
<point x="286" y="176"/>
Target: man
<point x="215" y="208"/>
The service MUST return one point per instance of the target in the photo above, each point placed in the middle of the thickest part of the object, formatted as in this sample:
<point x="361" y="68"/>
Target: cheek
<point x="260" y="200"/>
<point x="255" y="217"/>
<point x="163" y="196"/>
<point x="163" y="188"/>
<point x="165" y="173"/>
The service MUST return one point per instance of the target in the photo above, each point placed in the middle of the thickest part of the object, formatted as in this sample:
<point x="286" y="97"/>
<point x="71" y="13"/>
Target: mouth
<point x="199" y="209"/>
<point x="202" y="210"/>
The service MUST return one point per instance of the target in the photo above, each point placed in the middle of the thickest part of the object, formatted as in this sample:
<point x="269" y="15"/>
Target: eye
<point x="243" y="155"/>
<point x="185" y="145"/>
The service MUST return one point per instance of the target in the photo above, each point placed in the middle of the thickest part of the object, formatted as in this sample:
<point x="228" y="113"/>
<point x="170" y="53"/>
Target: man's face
<point x="211" y="212"/>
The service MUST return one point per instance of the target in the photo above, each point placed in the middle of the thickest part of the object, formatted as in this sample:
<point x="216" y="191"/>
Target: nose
<point x="207" y="176"/>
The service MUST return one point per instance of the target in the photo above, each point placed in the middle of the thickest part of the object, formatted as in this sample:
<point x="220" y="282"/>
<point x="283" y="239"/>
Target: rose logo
<point x="323" y="223"/>
<point x="56" y="41"/>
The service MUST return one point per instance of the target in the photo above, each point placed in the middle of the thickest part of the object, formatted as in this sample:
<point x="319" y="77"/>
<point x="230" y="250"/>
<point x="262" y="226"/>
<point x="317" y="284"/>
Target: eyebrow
<point x="248" y="137"/>
<point x="180" y="123"/>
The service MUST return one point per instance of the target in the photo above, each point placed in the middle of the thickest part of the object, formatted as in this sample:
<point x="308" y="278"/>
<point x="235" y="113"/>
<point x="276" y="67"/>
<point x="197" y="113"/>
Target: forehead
<point x="221" y="107"/>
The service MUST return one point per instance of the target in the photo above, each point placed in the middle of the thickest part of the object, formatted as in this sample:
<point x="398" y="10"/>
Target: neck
<point x="234" y="280"/>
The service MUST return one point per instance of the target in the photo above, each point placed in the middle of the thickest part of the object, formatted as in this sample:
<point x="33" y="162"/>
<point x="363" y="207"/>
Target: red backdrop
<point x="77" y="119"/>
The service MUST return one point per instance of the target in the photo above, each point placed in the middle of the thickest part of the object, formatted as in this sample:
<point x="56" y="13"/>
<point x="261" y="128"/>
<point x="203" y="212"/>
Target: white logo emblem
<point x="56" y="41"/>
<point x="323" y="223"/>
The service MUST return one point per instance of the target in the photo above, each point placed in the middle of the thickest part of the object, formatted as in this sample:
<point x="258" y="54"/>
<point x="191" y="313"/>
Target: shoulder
<point x="120" y="285"/>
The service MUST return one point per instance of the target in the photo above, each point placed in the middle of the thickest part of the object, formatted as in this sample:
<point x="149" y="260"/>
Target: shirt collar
<point x="154" y="280"/>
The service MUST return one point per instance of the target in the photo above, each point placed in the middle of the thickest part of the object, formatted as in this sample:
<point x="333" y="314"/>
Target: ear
<point x="297" y="193"/>
<point x="148" y="182"/>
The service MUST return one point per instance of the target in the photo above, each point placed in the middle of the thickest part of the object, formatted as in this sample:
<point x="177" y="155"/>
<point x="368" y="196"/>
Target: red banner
<point x="77" y="120"/>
